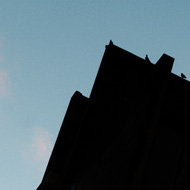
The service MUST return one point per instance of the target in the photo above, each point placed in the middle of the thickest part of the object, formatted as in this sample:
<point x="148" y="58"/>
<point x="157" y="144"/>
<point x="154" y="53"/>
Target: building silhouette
<point x="131" y="133"/>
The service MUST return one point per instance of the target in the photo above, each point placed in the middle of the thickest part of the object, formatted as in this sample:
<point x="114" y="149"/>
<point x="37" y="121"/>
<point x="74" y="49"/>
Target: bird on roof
<point x="147" y="59"/>
<point x="111" y="43"/>
<point x="183" y="76"/>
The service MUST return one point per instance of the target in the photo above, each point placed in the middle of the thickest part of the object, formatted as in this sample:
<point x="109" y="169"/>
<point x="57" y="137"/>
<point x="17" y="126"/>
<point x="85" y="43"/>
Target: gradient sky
<point x="50" y="48"/>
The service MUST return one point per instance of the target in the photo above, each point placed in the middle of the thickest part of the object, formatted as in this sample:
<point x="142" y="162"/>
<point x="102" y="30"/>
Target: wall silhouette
<point x="131" y="132"/>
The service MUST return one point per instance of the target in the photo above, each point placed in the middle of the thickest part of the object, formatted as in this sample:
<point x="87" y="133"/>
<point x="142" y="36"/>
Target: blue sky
<point x="50" y="48"/>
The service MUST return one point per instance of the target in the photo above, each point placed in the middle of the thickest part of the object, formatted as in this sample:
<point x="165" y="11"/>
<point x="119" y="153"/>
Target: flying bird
<point x="147" y="59"/>
<point x="183" y="76"/>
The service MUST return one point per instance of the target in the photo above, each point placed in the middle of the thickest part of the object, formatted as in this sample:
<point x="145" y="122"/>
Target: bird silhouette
<point x="111" y="43"/>
<point x="147" y="59"/>
<point x="183" y="76"/>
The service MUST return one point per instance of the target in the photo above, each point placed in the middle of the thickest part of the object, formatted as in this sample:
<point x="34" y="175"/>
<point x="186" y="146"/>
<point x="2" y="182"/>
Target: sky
<point x="51" y="48"/>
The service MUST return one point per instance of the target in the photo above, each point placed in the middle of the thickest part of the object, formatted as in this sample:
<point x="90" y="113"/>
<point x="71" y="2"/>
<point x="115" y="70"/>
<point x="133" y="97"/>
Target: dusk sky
<point x="51" y="48"/>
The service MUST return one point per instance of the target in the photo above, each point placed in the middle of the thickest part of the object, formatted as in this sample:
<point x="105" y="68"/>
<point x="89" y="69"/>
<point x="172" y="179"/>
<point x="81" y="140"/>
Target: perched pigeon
<point x="111" y="43"/>
<point x="147" y="59"/>
<point x="183" y="76"/>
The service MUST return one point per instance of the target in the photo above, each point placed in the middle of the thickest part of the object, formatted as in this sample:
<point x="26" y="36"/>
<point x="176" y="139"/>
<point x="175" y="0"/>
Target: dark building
<point x="131" y="133"/>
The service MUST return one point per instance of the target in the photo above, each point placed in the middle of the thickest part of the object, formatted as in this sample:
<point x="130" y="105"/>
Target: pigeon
<point x="111" y="43"/>
<point x="147" y="59"/>
<point x="183" y="76"/>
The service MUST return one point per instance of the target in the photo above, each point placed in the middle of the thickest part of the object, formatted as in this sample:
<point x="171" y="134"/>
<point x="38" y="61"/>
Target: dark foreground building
<point x="131" y="133"/>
